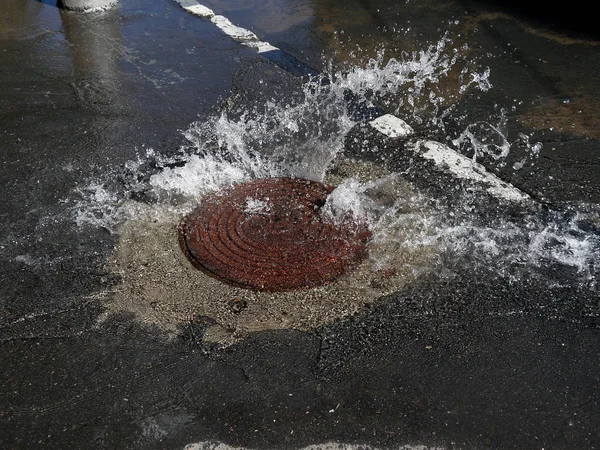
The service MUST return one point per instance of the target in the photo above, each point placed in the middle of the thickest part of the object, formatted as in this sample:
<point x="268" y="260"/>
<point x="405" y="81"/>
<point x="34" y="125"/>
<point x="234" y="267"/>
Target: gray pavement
<point x="484" y="335"/>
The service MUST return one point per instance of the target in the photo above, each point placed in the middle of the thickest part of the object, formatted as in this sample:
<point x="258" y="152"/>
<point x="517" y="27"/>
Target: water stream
<point x="302" y="135"/>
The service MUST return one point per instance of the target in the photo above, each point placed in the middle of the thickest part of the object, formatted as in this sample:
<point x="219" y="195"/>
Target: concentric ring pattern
<point x="269" y="235"/>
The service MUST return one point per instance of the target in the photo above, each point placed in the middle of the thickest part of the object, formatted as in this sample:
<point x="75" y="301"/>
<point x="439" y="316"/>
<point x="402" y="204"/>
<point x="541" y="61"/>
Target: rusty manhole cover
<point x="269" y="235"/>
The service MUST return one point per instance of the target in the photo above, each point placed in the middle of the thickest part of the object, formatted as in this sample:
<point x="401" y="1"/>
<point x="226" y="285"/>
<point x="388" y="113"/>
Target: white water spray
<point x="304" y="139"/>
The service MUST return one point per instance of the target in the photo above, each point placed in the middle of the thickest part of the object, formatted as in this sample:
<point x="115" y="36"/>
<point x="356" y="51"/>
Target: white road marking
<point x="465" y="168"/>
<point x="392" y="126"/>
<point x="238" y="34"/>
<point x="389" y="125"/>
<point x="448" y="159"/>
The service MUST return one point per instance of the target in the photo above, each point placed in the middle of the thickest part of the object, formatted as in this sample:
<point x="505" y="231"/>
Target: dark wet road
<point x="472" y="361"/>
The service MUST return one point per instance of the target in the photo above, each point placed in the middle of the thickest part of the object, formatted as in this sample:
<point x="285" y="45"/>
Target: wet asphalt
<point x="474" y="361"/>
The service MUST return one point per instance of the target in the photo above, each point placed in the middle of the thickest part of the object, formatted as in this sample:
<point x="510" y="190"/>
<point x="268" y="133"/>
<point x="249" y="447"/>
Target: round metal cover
<point x="269" y="235"/>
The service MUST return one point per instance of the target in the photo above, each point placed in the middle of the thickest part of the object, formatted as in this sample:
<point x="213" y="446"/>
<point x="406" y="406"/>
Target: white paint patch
<point x="387" y="124"/>
<point x="261" y="46"/>
<point x="256" y="206"/>
<point x="392" y="126"/>
<point x="444" y="157"/>
<point x="238" y="34"/>
<point x="465" y="168"/>
<point x="199" y="10"/>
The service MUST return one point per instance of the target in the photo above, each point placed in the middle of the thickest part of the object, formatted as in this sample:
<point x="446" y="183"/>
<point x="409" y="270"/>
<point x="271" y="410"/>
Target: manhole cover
<point x="269" y="235"/>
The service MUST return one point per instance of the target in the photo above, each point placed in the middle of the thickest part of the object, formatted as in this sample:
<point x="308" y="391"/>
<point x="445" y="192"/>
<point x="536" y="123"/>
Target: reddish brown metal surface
<point x="268" y="235"/>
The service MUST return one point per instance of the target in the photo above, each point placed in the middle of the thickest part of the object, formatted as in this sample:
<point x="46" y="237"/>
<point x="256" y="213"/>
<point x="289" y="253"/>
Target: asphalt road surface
<point x="480" y="330"/>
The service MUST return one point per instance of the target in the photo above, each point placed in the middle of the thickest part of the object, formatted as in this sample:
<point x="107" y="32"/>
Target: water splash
<point x="531" y="150"/>
<point x="256" y="206"/>
<point x="483" y="139"/>
<point x="297" y="138"/>
<point x="305" y="138"/>
<point x="403" y="220"/>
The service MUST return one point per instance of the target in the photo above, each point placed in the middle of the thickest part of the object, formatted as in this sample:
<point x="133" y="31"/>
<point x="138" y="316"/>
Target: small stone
<point x="237" y="305"/>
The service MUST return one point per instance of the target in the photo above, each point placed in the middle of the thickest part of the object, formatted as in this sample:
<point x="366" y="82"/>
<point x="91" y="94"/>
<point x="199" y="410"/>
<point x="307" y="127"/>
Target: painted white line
<point x="196" y="8"/>
<point x="238" y="34"/>
<point x="261" y="46"/>
<point x="387" y="124"/>
<point x="392" y="126"/>
<point x="448" y="159"/>
<point x="465" y="168"/>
